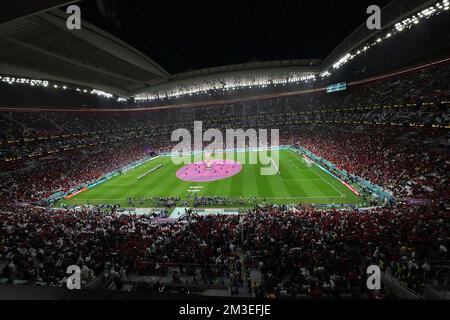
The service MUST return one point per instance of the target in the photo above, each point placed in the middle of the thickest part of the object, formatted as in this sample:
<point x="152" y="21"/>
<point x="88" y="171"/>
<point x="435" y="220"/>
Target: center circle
<point x="208" y="171"/>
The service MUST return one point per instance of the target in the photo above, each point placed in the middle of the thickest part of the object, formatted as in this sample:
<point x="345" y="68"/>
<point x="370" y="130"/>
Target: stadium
<point x="224" y="156"/>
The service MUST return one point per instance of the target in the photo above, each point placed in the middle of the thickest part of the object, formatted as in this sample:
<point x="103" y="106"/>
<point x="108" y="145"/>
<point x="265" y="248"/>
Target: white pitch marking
<point x="321" y="178"/>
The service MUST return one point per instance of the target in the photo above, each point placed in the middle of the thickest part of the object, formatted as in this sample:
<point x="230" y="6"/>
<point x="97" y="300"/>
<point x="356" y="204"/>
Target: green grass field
<point x="297" y="184"/>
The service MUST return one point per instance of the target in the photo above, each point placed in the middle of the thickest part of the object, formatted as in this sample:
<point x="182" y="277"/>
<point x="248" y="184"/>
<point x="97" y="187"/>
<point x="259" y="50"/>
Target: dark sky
<point x="189" y="35"/>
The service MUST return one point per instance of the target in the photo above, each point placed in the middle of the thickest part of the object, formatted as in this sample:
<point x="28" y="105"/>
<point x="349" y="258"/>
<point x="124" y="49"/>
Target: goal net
<point x="309" y="163"/>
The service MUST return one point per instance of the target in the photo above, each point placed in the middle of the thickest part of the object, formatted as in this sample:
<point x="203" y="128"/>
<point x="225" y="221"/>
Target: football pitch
<point x="296" y="184"/>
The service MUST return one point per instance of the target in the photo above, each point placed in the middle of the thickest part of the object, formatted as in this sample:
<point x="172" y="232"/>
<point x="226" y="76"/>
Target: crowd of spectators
<point x="300" y="253"/>
<point x="325" y="254"/>
<point x="420" y="98"/>
<point x="411" y="164"/>
<point x="40" y="244"/>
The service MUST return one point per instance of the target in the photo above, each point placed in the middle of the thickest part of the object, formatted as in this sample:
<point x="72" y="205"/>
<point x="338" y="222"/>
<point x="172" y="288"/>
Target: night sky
<point x="187" y="35"/>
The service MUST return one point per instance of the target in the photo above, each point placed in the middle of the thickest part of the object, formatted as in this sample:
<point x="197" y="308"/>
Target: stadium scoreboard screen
<point x="342" y="86"/>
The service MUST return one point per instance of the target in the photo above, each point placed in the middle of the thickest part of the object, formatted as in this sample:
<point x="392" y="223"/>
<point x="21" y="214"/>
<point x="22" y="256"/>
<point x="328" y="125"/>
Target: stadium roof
<point x="284" y="69"/>
<point x="392" y="13"/>
<point x="41" y="46"/>
<point x="304" y="65"/>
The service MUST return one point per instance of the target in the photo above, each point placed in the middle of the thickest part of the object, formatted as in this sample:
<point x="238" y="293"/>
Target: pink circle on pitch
<point x="199" y="172"/>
